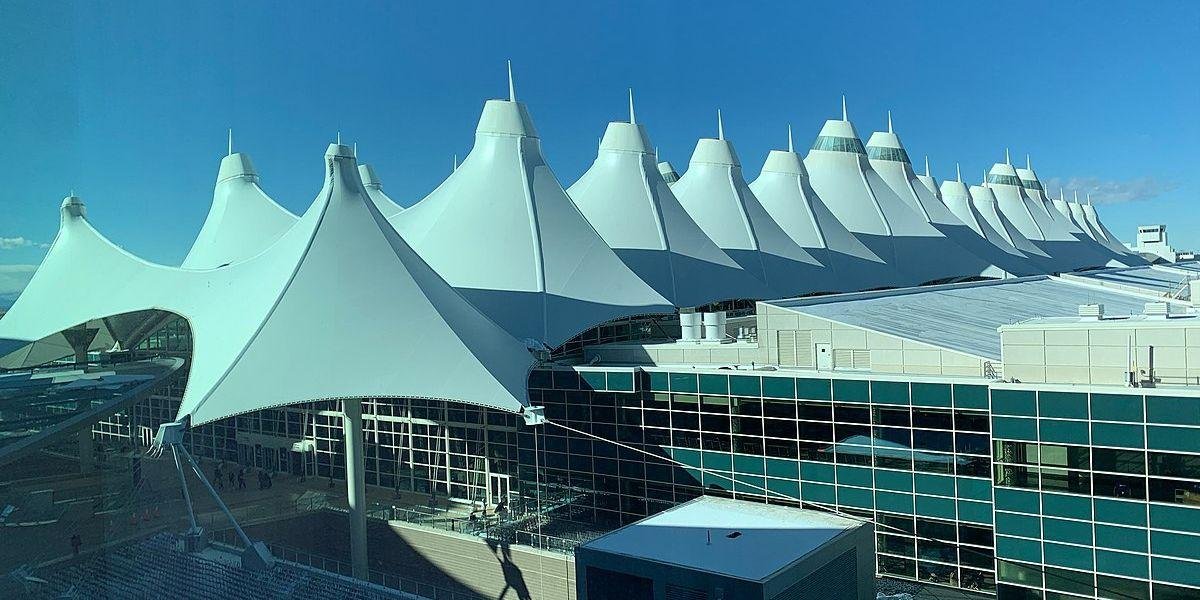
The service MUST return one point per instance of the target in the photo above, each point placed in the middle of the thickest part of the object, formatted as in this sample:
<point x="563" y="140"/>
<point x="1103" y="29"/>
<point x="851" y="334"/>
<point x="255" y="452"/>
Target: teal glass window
<point x="659" y="382"/>
<point x="745" y="463"/>
<point x="1018" y="549"/>
<point x="975" y="512"/>
<point x="749" y="484"/>
<point x="684" y="383"/>
<point x="849" y="475"/>
<point x="813" y="389"/>
<point x="1063" y="405"/>
<point x="975" y="489"/>
<point x="1010" y="572"/>
<point x="1175" y="571"/>
<point x="1014" y="428"/>
<point x="839" y="144"/>
<point x="1003" y="179"/>
<point x="894" y="502"/>
<point x="789" y="488"/>
<point x="745" y="385"/>
<point x="718" y="461"/>
<point x="813" y="471"/>
<point x="782" y="467"/>
<point x="620" y="381"/>
<point x="1072" y="557"/>
<point x="1120" y="538"/>
<point x="1175" y="544"/>
<point x="1173" y="410"/>
<point x="1117" y="407"/>
<point x="1178" y="518"/>
<point x="1018" y="524"/>
<point x="855" y="497"/>
<point x="851" y="390"/>
<point x="1179" y="439"/>
<point x="714" y="384"/>
<point x="779" y="387"/>
<point x="1065" y="505"/>
<point x="818" y="492"/>
<point x="1022" y="403"/>
<point x="931" y="394"/>
<point x="889" y="392"/>
<point x="970" y="396"/>
<point x="934" y="484"/>
<point x="931" y="506"/>
<point x="1112" y="434"/>
<point x="594" y="380"/>
<point x="1062" y="530"/>
<point x="1121" y="512"/>
<point x="1067" y="432"/>
<point x="1017" y="500"/>
<point x="900" y="481"/>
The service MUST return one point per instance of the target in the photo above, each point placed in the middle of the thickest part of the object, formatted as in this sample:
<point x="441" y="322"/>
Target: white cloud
<point x="13" y="278"/>
<point x="1105" y="191"/>
<point x="9" y="243"/>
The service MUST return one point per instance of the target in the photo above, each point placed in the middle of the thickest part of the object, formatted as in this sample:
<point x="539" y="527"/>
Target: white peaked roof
<point x="625" y="198"/>
<point x="374" y="188"/>
<point x="843" y="177"/>
<point x="668" y="172"/>
<point x="984" y="201"/>
<point x="958" y="199"/>
<point x="785" y="192"/>
<point x="1033" y="189"/>
<point x="929" y="182"/>
<point x="338" y="307"/>
<point x="502" y="231"/>
<point x="715" y="194"/>
<point x="242" y="220"/>
<point x="890" y="160"/>
<point x="1104" y="236"/>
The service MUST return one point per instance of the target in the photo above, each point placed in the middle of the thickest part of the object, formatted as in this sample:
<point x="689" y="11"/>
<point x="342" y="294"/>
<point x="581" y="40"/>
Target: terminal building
<point x="1009" y="400"/>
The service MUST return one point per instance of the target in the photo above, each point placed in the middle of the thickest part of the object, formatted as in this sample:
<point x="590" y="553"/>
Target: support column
<point x="87" y="462"/>
<point x="356" y="486"/>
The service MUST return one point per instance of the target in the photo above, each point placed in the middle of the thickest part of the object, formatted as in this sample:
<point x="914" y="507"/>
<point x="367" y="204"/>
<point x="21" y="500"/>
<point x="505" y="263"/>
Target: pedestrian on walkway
<point x="241" y="478"/>
<point x="232" y="477"/>
<point x="76" y="542"/>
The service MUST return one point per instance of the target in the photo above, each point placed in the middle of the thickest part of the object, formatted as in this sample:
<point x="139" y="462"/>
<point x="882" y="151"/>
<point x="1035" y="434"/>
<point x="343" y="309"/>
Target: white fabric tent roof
<point x="984" y="201"/>
<point x="338" y="307"/>
<point x="715" y="194"/>
<point x="624" y="196"/>
<point x="958" y="199"/>
<point x="502" y="230"/>
<point x="242" y="220"/>
<point x="374" y="188"/>
<point x="890" y="160"/>
<point x="843" y="177"/>
<point x="785" y="192"/>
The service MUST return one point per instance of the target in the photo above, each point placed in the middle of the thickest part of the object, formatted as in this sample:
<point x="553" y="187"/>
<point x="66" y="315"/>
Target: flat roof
<point x="964" y="317"/>
<point x="770" y="538"/>
<point x="1151" y="278"/>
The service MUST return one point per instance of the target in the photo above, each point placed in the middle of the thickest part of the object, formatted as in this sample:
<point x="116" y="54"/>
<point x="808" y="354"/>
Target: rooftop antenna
<point x="927" y="165"/>
<point x="958" y="172"/>
<point x="844" y="117"/>
<point x="791" y="146"/>
<point x="1007" y="158"/>
<point x="512" y="91"/>
<point x="230" y="142"/>
<point x="632" y="119"/>
<point x="890" y="122"/>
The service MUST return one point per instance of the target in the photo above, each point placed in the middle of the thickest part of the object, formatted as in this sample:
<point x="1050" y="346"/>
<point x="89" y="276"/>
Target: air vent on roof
<point x="1158" y="310"/>
<point x="1091" y="312"/>
<point x="733" y="535"/>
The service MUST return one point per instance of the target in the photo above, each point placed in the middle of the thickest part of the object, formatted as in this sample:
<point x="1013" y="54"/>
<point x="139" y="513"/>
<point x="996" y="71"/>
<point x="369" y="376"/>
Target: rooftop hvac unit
<point x="714" y="326"/>
<point x="1091" y="312"/>
<point x="689" y="325"/>
<point x="1157" y="310"/>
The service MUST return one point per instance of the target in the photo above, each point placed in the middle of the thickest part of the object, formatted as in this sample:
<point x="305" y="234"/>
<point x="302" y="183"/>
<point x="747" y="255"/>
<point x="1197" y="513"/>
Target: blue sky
<point x="129" y="104"/>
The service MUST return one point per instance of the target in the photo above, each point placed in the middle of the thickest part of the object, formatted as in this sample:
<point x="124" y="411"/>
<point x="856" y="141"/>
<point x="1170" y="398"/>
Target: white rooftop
<point x="964" y="317"/>
<point x="771" y="537"/>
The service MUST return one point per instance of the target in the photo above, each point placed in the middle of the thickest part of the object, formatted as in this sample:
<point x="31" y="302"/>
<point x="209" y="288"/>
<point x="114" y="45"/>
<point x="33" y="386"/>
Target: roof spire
<point x="958" y="172"/>
<point x="512" y="91"/>
<point x="1007" y="158"/>
<point x="339" y="138"/>
<point x="632" y="119"/>
<point x="1089" y="198"/>
<point x="355" y="154"/>
<point x="455" y="168"/>
<point x="230" y="143"/>
<point x="1028" y="163"/>
<point x="791" y="147"/>
<point x="1062" y="196"/>
<point x="890" y="122"/>
<point x="844" y="117"/>
<point x="1076" y="196"/>
<point x="720" y="126"/>
<point x="656" y="154"/>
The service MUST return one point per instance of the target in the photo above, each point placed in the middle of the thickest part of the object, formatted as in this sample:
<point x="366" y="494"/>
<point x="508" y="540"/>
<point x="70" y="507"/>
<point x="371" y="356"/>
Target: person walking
<point x="76" y="542"/>
<point x="241" y="478"/>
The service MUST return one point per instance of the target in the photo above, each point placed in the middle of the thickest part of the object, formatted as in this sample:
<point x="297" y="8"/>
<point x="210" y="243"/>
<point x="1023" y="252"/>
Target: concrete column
<point x="356" y="486"/>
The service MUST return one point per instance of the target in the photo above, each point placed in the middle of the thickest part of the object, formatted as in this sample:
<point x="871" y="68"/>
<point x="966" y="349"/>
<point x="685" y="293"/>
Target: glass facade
<point x="1031" y="184"/>
<point x="839" y="144"/>
<point x="1003" y="179"/>
<point x="1024" y="492"/>
<point x="892" y="154"/>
